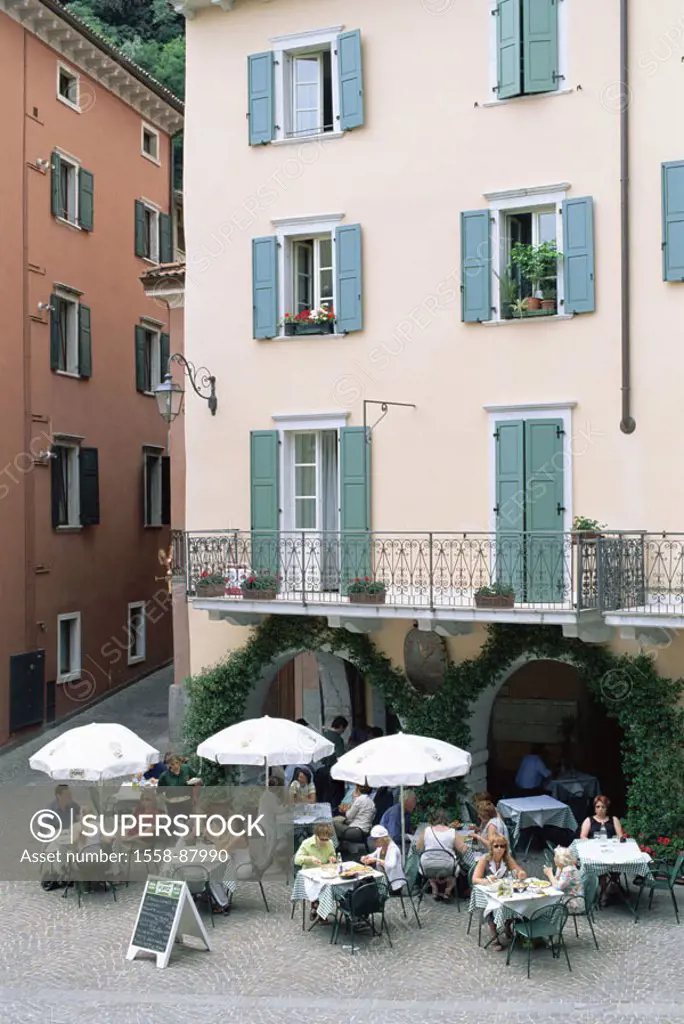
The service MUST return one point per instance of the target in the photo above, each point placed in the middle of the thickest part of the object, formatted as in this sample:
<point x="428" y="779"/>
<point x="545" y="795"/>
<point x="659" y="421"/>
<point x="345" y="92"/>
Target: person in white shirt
<point x="387" y="858"/>
<point x="360" y="815"/>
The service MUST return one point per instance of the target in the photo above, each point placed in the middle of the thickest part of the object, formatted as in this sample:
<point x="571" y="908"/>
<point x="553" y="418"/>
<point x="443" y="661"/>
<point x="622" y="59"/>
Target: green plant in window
<point x="537" y="263"/>
<point x="519" y="307"/>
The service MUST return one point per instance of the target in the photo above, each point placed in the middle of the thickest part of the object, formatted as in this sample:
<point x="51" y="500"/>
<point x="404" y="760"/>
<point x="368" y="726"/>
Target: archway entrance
<point x="547" y="702"/>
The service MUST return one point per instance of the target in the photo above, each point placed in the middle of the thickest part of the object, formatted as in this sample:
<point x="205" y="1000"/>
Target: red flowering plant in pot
<point x="310" y="321"/>
<point x="210" y="584"/>
<point x="664" y="849"/>
<point x="260" y="586"/>
<point x="365" y="590"/>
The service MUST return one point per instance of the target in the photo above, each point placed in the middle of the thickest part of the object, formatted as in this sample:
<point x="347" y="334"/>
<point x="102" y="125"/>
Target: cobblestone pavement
<point x="63" y="965"/>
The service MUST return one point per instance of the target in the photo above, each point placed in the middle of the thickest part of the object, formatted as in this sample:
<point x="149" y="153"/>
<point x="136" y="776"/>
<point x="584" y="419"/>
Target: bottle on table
<point x="339" y="863"/>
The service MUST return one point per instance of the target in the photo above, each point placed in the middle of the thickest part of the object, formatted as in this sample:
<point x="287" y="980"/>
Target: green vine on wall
<point x="645" y="704"/>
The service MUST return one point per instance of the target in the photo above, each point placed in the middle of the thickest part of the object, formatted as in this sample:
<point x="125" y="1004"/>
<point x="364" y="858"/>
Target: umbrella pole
<point x="266" y="769"/>
<point x="403" y="825"/>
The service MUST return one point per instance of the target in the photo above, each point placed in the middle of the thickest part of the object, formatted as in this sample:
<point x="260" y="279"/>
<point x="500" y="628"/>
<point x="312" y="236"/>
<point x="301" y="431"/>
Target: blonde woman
<point x="567" y="878"/>
<point x="491" y="824"/>
<point x="497" y="865"/>
<point x="315" y="851"/>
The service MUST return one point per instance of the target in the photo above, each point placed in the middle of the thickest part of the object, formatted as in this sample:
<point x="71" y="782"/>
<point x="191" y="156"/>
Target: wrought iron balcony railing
<point x="542" y="571"/>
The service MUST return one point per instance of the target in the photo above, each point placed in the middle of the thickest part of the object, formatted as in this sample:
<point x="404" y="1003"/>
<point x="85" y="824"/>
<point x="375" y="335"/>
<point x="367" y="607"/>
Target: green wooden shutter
<point x="265" y="499"/>
<point x="265" y="286"/>
<point x="164" y="353"/>
<point x="578" y="255"/>
<point x="540" y="45"/>
<point x="508" y="40"/>
<point x="55" y="339"/>
<point x="673" y="220"/>
<point x="348" y="279"/>
<point x="165" y="490"/>
<point x="476" y="258"/>
<point x="544" y="487"/>
<point x="85" y="354"/>
<point x="142" y="382"/>
<point x="165" y="240"/>
<point x="350" y="70"/>
<point x="355" y="506"/>
<point x="510" y="506"/>
<point x="86" y="199"/>
<point x="139" y="228"/>
<point x="260" y="88"/>
<point x="56" y="164"/>
<point x="56" y="487"/>
<point x="89" y="486"/>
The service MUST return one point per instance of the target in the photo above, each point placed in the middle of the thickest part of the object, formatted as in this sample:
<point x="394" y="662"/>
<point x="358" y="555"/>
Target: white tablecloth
<point x="519" y="905"/>
<point x="579" y="784"/>
<point x="536" y="811"/>
<point x="311" y="885"/>
<point x="600" y="857"/>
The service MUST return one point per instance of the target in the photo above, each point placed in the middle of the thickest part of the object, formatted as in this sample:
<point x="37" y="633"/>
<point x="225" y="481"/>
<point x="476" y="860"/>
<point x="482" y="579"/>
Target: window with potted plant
<point x="210" y="584"/>
<point x="366" y="591"/>
<point x="498" y="595"/>
<point x="537" y="264"/>
<point x="309" y="321"/>
<point x="261" y="586"/>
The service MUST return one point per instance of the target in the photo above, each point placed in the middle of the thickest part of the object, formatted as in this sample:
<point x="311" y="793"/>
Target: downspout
<point x="627" y="423"/>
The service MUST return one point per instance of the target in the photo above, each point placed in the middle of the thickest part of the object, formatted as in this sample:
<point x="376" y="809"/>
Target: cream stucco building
<point x="384" y="159"/>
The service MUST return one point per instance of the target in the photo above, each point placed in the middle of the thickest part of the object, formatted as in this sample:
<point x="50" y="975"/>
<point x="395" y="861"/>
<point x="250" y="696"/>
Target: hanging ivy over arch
<point x="645" y="704"/>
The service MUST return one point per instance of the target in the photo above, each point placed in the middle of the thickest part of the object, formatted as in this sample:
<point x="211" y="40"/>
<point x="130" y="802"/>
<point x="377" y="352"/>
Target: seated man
<point x="532" y="773"/>
<point x="359" y="817"/>
<point x="391" y="819"/>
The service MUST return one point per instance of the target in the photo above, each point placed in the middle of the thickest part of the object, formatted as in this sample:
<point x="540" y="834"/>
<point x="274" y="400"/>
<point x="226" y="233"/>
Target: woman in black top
<point x="602" y="825"/>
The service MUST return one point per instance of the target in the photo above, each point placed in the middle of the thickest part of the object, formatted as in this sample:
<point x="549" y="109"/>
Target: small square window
<point x="136" y="632"/>
<point x="67" y="85"/>
<point x="150" y="143"/>
<point x="69" y="647"/>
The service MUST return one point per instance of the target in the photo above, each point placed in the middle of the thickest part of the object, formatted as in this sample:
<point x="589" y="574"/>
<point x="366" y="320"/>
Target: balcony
<point x="436" y="579"/>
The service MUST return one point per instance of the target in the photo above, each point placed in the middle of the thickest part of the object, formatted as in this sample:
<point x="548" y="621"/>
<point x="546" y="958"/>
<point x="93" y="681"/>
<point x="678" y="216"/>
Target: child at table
<point x="567" y="878"/>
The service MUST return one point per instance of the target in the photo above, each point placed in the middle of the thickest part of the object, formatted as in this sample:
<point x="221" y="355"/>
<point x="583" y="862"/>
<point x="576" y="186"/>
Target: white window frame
<point x="147" y="128"/>
<point x="287" y="425"/>
<point x="303" y="44"/>
<point x="563" y="59"/>
<point x="154" y="233"/>
<point x="287" y="516"/>
<point x="74" y="648"/>
<point x="73" y="339"/>
<point x="153" y="340"/>
<point x="73" y="105"/>
<point x="74" y="489"/>
<point x="289" y="230"/>
<point x="75" y="165"/>
<point x="502" y="204"/>
<point x="316" y="434"/>
<point x="152" y="517"/>
<point x="133" y="608"/>
<point x="316" y="267"/>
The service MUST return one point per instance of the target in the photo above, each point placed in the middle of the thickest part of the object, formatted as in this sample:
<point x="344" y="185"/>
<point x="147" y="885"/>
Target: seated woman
<point x="567" y="878"/>
<point x="386" y="858"/>
<point x="360" y="815"/>
<point x="494" y="866"/>
<point x="302" y="789"/>
<point x="439" y="847"/>
<point x="491" y="824"/>
<point x="602" y="825"/>
<point x="315" y="851"/>
<point x="145" y="816"/>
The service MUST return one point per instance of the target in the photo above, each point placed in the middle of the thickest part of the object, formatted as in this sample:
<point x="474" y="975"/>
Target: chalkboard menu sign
<point x="157" y="915"/>
<point x="166" y="912"/>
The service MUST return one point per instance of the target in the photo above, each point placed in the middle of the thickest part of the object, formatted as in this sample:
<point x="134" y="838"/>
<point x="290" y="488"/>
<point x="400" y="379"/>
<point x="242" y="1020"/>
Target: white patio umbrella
<point x="402" y="760"/>
<point x="265" y="741"/>
<point x="94" y="753"/>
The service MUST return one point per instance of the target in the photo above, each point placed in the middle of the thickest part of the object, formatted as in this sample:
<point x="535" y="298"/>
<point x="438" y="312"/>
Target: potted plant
<point x="548" y="302"/>
<point x="519" y="307"/>
<point x="498" y="595"/>
<point x="588" y="529"/>
<point x="210" y="584"/>
<point x="310" y="321"/>
<point x="508" y="291"/>
<point x="260" y="586"/>
<point x="366" y="591"/>
<point x="537" y="263"/>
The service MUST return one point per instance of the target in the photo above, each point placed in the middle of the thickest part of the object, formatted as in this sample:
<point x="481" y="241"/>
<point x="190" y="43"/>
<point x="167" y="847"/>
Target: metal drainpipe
<point x="627" y="423"/>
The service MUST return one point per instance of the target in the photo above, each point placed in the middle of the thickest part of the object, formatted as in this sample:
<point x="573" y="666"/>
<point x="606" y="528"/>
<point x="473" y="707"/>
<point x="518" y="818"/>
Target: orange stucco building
<point x="87" y="208"/>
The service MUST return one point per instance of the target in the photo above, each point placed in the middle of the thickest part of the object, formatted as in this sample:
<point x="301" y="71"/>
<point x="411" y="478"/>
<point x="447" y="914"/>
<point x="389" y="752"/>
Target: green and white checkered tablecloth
<point x="519" y="906"/>
<point x="536" y="812"/>
<point x="308" y="885"/>
<point x="601" y="857"/>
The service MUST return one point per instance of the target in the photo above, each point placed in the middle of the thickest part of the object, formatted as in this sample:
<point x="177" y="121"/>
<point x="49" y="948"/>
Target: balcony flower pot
<point x="494" y="600"/>
<point x="365" y="598"/>
<point x="587" y="529"/>
<point x="296" y="328"/>
<point x="261" y="586"/>
<point x="207" y="589"/>
<point x="585" y="535"/>
<point x="258" y="595"/>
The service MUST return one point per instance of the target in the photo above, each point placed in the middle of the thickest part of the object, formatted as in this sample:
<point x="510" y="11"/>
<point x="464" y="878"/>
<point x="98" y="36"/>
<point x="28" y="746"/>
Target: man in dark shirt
<point x="334" y="734"/>
<point x="64" y="806"/>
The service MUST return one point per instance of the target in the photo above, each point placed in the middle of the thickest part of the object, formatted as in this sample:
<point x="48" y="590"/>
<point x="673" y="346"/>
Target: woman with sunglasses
<point x="497" y="865"/>
<point x="602" y="825"/>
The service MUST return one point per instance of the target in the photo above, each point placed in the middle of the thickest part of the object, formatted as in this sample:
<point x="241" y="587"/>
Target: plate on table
<point x="329" y="871"/>
<point x="539" y="883"/>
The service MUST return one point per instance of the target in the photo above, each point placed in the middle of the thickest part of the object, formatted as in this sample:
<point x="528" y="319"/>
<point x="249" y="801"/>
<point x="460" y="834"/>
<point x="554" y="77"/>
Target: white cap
<point x="379" y="832"/>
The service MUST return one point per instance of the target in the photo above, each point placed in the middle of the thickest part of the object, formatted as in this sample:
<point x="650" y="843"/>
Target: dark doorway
<point x="280" y="701"/>
<point x="27" y="690"/>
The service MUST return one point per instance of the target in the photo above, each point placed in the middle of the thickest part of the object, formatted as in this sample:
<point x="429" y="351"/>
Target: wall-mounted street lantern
<point x="169" y="393"/>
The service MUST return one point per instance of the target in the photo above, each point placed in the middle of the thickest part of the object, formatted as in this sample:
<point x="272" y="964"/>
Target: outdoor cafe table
<point x="198" y="865"/>
<point x="518" y="905"/>
<point x="606" y="856"/>
<point x="536" y="812"/>
<point x="578" y="783"/>
<point x="301" y="819"/>
<point x="310" y="884"/>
